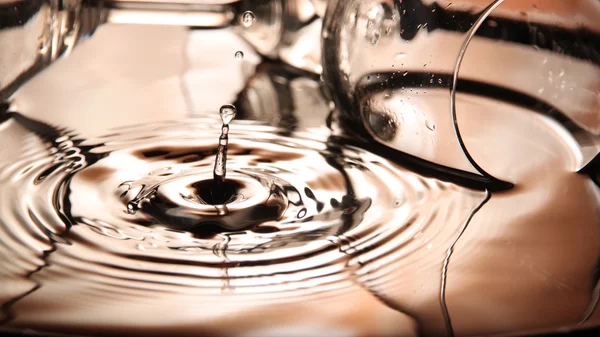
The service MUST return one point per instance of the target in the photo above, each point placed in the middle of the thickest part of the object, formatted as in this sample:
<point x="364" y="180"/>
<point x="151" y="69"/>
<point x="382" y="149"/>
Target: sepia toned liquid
<point x="321" y="232"/>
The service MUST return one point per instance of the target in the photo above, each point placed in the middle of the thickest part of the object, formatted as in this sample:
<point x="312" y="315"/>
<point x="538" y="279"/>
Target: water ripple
<point x="114" y="219"/>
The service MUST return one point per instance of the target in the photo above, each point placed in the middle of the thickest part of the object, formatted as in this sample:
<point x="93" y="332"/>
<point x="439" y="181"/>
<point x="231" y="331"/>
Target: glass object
<point x="452" y="82"/>
<point x="34" y="33"/>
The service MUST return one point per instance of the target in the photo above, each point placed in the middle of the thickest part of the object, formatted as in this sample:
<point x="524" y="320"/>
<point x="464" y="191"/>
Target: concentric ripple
<point x="129" y="211"/>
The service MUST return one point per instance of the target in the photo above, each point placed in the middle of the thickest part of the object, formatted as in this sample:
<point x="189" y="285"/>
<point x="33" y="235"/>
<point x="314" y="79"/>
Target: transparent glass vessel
<point x="441" y="80"/>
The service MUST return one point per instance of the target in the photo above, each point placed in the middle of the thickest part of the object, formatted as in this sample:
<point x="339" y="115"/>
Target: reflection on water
<point x="344" y="240"/>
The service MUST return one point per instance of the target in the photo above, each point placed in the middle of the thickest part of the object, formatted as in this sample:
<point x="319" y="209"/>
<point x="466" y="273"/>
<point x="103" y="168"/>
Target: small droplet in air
<point x="405" y="73"/>
<point x="227" y="113"/>
<point x="239" y="55"/>
<point x="248" y="19"/>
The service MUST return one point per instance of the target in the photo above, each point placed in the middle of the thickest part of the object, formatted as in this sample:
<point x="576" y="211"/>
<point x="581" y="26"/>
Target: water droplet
<point x="399" y="56"/>
<point x="440" y="81"/>
<point x="405" y="73"/>
<point x="227" y="113"/>
<point x="239" y="55"/>
<point x="430" y="125"/>
<point x="248" y="19"/>
<point x="376" y="37"/>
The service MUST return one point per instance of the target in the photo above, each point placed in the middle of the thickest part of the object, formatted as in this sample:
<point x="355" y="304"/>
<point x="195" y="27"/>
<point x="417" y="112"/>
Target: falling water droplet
<point x="239" y="55"/>
<point x="248" y="18"/>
